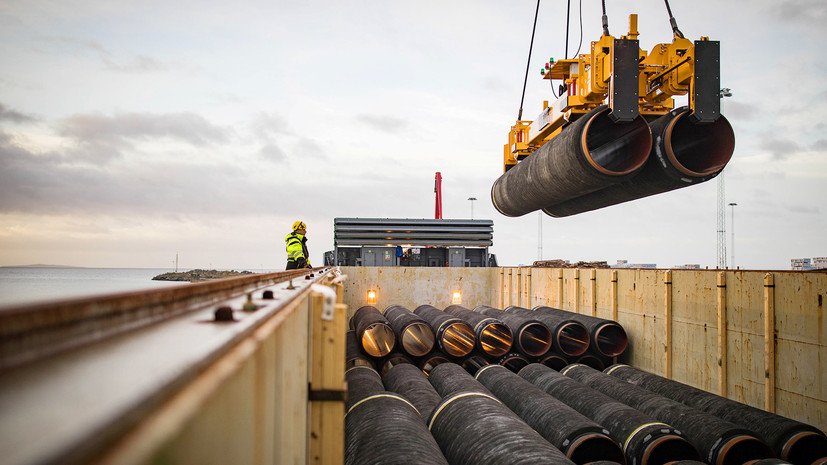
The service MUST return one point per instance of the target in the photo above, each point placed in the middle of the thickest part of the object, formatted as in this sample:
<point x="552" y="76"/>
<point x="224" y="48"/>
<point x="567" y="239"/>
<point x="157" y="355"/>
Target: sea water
<point x="26" y="285"/>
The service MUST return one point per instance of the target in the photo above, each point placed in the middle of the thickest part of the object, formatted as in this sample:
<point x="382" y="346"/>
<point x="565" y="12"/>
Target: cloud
<point x="266" y="125"/>
<point x="384" y="123"/>
<point x="272" y="152"/>
<point x="780" y="148"/>
<point x="820" y="145"/>
<point x="133" y="64"/>
<point x="739" y="111"/>
<point x="811" y="13"/>
<point x="14" y="116"/>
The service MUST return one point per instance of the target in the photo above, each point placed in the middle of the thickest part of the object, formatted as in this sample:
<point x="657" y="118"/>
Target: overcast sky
<point x="131" y="131"/>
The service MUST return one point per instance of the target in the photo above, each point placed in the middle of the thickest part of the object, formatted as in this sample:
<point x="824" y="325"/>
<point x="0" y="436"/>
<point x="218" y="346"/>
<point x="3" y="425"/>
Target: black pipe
<point x="354" y="354"/>
<point x="428" y="362"/>
<point x="450" y="378"/>
<point x="409" y="382"/>
<point x="514" y="361"/>
<point x="589" y="154"/>
<point x="589" y="360"/>
<point x="474" y="362"/>
<point x="373" y="331"/>
<point x="683" y="153"/>
<point x="531" y="337"/>
<point x="645" y="440"/>
<point x="362" y="382"/>
<point x="771" y="462"/>
<point x="553" y="360"/>
<point x="792" y="440"/>
<point x="383" y="420"/>
<point x="570" y="336"/>
<point x="475" y="428"/>
<point x="391" y="360"/>
<point x="413" y="334"/>
<point x="453" y="335"/>
<point x="719" y="441"/>
<point x="493" y="337"/>
<point x="607" y="337"/>
<point x="582" y="440"/>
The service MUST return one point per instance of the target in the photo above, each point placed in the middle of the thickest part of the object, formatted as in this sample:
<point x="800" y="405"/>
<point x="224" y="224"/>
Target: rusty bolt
<point x="224" y="313"/>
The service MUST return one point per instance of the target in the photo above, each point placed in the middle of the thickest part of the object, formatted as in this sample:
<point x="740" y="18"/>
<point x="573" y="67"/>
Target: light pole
<point x="732" y="228"/>
<point x="721" y="238"/>
<point x="472" y="206"/>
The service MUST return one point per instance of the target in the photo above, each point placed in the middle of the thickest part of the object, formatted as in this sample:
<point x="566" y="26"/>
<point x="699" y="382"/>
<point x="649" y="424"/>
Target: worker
<point x="297" y="254"/>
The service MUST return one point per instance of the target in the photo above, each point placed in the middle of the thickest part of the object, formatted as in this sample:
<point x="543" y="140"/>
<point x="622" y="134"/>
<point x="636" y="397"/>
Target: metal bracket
<point x="623" y="88"/>
<point x="706" y="82"/>
<point x="329" y="300"/>
<point x="326" y="395"/>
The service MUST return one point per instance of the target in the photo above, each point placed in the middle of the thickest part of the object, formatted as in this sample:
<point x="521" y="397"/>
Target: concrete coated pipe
<point x="494" y="337"/>
<point x="581" y="439"/>
<point x="792" y="440"/>
<point x="645" y="440"/>
<point x="428" y="362"/>
<point x="589" y="154"/>
<point x="413" y="334"/>
<point x="719" y="441"/>
<point x="531" y="337"/>
<point x="362" y="382"/>
<point x="454" y="336"/>
<point x="570" y="337"/>
<point x="373" y="331"/>
<point x="409" y="382"/>
<point x="354" y="354"/>
<point x="607" y="337"/>
<point x="683" y="154"/>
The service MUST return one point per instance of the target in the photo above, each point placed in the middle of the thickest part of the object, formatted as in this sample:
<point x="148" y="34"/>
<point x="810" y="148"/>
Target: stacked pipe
<point x="354" y="354"/>
<point x="412" y="384"/>
<point x="791" y="440"/>
<point x="413" y="334"/>
<point x="683" y="153"/>
<point x="454" y="336"/>
<point x="721" y="442"/>
<point x="590" y="154"/>
<point x="373" y="331"/>
<point x="645" y="440"/>
<point x="473" y="427"/>
<point x="607" y="338"/>
<point x="582" y="440"/>
<point x="494" y="338"/>
<point x="531" y="337"/>
<point x="570" y="337"/>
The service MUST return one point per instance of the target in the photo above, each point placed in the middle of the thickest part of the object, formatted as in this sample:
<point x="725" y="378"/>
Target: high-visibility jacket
<point x="297" y="254"/>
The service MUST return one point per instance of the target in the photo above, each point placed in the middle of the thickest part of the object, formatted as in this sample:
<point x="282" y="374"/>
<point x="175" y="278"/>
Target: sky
<point x="134" y="131"/>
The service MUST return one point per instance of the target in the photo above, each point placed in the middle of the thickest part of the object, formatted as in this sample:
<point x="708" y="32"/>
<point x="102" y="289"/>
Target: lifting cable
<point x="605" y="20"/>
<point x="672" y="21"/>
<point x="528" y="62"/>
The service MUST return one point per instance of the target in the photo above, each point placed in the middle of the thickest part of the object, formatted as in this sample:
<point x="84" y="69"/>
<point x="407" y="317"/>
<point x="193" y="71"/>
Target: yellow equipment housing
<point x="634" y="82"/>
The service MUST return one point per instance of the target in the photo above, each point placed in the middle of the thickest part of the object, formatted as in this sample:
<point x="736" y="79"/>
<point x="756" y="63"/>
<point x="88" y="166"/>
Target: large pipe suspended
<point x="409" y="382"/>
<point x="493" y="337"/>
<point x="719" y="441"/>
<point x="453" y="335"/>
<point x="792" y="440"/>
<point x="413" y="334"/>
<point x="607" y="337"/>
<point x="473" y="427"/>
<point x="645" y="440"/>
<point x="569" y="336"/>
<point x="373" y="331"/>
<point x="683" y="153"/>
<point x="386" y="428"/>
<point x="589" y="154"/>
<point x="582" y="440"/>
<point x="531" y="337"/>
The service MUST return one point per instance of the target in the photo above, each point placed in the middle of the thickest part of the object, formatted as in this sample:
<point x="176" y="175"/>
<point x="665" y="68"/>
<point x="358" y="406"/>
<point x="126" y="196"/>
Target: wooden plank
<point x="614" y="295"/>
<point x="722" y="333"/>
<point x="593" y="291"/>
<point x="769" y="342"/>
<point x="560" y="303"/>
<point x="667" y="314"/>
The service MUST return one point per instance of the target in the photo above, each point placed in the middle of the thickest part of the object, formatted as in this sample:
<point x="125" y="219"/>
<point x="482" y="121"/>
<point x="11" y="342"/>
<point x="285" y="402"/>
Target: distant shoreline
<point x="38" y="265"/>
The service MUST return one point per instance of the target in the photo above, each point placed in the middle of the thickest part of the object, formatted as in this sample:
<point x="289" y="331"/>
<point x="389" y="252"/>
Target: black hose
<point x="645" y="440"/>
<point x="581" y="439"/>
<point x="413" y="334"/>
<point x="373" y="331"/>
<point x="531" y="337"/>
<point x="719" y="441"/>
<point x="453" y="335"/>
<point x="388" y="419"/>
<point x="792" y="440"/>
<point x="493" y="336"/>
<point x="409" y="382"/>
<point x="362" y="382"/>
<point x="475" y="428"/>
<point x="354" y="354"/>
<point x="570" y="337"/>
<point x="606" y="337"/>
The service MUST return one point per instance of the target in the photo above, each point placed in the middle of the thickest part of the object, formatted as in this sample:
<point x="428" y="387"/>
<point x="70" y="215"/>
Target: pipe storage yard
<point x="701" y="366"/>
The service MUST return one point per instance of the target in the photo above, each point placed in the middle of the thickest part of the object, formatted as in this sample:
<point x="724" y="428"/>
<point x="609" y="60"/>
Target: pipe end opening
<point x="534" y="339"/>
<point x="573" y="339"/>
<point x="418" y="339"/>
<point x="458" y="340"/>
<point x="496" y="339"/>
<point x="611" y="340"/>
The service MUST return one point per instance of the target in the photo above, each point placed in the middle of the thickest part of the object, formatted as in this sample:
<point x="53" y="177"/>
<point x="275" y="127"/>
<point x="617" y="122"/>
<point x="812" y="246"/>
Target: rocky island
<point x="199" y="275"/>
